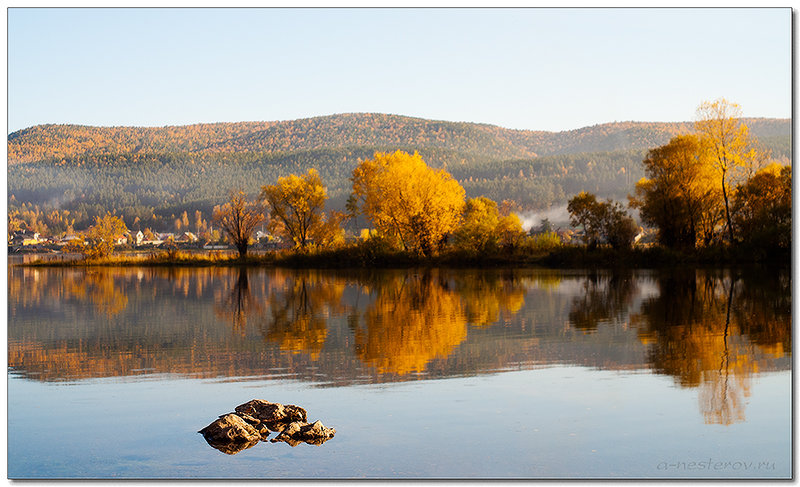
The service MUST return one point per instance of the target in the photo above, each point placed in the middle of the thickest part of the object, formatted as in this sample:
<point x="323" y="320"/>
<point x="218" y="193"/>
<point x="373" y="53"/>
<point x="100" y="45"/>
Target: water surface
<point x="428" y="373"/>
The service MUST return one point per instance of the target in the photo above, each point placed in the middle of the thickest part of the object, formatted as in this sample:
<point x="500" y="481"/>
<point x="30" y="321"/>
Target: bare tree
<point x="238" y="218"/>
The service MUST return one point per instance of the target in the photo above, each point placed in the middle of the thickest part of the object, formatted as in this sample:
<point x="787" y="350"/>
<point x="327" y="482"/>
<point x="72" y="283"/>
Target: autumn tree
<point x="733" y="152"/>
<point x="100" y="238"/>
<point x="763" y="208"/>
<point x="585" y="211"/>
<point x="14" y="225"/>
<point x="407" y="200"/>
<point x="238" y="218"/>
<point x="679" y="195"/>
<point x="296" y="205"/>
<point x="602" y="220"/>
<point x="477" y="232"/>
<point x="618" y="228"/>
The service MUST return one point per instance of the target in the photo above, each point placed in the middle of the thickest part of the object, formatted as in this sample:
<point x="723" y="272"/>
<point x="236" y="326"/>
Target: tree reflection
<point x="489" y="297"/>
<point x="98" y="288"/>
<point x="606" y="297"/>
<point x="299" y="312"/>
<point x="238" y="303"/>
<point x="701" y="329"/>
<point x="415" y="319"/>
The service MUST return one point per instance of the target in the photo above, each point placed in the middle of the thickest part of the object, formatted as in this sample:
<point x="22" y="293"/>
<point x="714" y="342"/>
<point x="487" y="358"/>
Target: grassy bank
<point x="364" y="256"/>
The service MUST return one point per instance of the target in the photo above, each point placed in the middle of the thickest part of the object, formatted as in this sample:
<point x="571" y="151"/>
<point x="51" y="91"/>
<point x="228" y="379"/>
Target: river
<point x="424" y="373"/>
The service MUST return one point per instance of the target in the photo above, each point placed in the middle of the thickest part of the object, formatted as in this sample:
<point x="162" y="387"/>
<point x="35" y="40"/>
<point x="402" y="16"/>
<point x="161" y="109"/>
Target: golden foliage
<point x="680" y="197"/>
<point x="733" y="153"/>
<point x="296" y="207"/>
<point x="100" y="238"/>
<point x="407" y="200"/>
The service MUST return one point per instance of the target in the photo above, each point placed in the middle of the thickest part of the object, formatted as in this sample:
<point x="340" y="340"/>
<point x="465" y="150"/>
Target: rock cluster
<point x="253" y="422"/>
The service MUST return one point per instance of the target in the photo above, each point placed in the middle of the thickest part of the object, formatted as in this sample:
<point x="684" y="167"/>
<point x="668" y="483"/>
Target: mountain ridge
<point x="47" y="141"/>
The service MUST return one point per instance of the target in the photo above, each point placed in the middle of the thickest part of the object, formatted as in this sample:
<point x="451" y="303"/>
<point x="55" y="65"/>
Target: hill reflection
<point x="708" y="330"/>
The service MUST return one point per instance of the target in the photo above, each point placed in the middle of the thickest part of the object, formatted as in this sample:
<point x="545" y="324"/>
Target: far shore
<point x="353" y="257"/>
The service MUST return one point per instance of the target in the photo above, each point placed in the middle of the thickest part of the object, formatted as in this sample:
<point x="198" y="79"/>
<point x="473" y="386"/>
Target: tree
<point x="679" y="195"/>
<point x="477" y="231"/>
<point x="763" y="208"/>
<point x="584" y="210"/>
<point x="238" y="218"/>
<point x="100" y="238"/>
<point x="407" y="200"/>
<point x="296" y="206"/>
<point x="618" y="228"/>
<point x="545" y="226"/>
<point x="733" y="151"/>
<point x="602" y="221"/>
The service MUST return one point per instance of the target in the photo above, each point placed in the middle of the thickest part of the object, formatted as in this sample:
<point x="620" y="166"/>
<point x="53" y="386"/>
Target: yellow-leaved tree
<point x="407" y="200"/>
<point x="296" y="205"/>
<point x="100" y="238"/>
<point x="733" y="152"/>
<point x="680" y="194"/>
<point x="485" y="229"/>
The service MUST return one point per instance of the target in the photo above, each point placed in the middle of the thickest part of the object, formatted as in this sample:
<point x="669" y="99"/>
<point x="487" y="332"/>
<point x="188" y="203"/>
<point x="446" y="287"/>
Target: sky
<point x="520" y="68"/>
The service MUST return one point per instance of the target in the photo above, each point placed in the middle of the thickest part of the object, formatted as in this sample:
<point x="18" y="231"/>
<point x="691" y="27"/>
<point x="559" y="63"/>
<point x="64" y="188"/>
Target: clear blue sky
<point x="539" y="69"/>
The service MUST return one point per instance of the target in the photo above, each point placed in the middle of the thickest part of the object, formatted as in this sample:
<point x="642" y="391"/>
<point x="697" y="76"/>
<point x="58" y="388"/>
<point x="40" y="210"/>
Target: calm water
<point x="423" y="373"/>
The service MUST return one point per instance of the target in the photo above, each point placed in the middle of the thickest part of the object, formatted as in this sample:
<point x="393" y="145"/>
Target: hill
<point x="154" y="174"/>
<point x="44" y="142"/>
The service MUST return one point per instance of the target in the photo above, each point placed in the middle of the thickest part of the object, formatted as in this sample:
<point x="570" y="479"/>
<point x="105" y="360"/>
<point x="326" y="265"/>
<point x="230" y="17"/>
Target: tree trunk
<point x="242" y="248"/>
<point x="727" y="212"/>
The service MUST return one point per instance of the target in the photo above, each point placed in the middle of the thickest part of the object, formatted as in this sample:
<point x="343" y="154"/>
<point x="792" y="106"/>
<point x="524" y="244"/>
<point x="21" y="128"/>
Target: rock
<point x="231" y="434"/>
<point x="234" y="447"/>
<point x="314" y="433"/>
<point x="272" y="412"/>
<point x="254" y="420"/>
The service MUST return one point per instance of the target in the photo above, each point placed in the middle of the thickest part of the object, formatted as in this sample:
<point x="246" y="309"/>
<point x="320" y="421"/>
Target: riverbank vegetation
<point x="713" y="196"/>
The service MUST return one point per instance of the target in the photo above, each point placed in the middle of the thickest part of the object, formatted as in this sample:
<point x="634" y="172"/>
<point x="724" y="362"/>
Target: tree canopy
<point x="238" y="218"/>
<point x="733" y="152"/>
<point x="679" y="196"/>
<point x="296" y="205"/>
<point x="407" y="200"/>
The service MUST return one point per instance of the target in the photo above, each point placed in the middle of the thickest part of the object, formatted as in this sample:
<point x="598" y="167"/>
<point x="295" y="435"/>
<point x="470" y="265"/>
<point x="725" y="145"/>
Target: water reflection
<point x="299" y="308"/>
<point x="606" y="297"/>
<point x="238" y="304"/>
<point x="713" y="330"/>
<point x="710" y="331"/>
<point x="414" y="319"/>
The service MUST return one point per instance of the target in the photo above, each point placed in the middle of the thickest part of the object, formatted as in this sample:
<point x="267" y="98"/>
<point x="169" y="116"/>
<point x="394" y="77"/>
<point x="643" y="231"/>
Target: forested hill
<point x="153" y="175"/>
<point x="44" y="142"/>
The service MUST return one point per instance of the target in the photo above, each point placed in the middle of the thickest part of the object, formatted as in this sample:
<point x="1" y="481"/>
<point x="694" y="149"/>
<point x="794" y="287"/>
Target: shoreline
<point x="568" y="257"/>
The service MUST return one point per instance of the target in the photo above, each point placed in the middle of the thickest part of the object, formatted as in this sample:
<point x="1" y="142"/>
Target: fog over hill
<point x="156" y="173"/>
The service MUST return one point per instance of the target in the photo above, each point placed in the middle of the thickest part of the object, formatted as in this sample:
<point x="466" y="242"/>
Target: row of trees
<point x="706" y="188"/>
<point x="410" y="206"/>
<point x="712" y="187"/>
